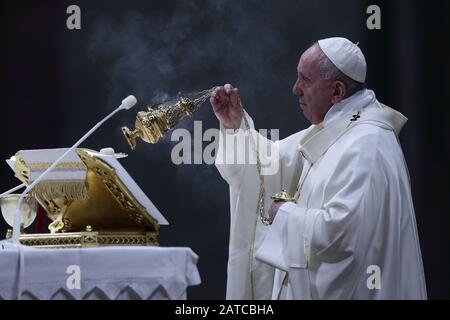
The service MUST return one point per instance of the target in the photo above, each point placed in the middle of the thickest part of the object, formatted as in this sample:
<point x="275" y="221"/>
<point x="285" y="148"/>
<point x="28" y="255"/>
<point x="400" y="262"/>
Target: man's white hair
<point x="330" y="72"/>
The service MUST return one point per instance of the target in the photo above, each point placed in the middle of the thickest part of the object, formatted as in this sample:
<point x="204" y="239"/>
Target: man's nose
<point x="297" y="90"/>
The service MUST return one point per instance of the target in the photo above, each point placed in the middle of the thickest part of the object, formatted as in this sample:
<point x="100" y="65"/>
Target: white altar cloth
<point x="104" y="273"/>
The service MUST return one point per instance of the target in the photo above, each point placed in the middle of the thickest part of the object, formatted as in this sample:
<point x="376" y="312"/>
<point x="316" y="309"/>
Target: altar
<point x="106" y="273"/>
<point x="103" y="239"/>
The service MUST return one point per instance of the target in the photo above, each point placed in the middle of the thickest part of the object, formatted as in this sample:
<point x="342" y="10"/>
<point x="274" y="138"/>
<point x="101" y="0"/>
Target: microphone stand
<point x="12" y="190"/>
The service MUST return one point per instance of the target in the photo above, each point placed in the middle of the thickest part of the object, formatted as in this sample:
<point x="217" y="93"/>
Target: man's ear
<point x="339" y="92"/>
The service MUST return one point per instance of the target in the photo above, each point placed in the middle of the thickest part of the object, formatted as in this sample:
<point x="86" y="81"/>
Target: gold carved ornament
<point x="105" y="214"/>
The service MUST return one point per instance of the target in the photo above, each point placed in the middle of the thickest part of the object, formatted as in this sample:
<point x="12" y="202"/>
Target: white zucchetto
<point x="346" y="56"/>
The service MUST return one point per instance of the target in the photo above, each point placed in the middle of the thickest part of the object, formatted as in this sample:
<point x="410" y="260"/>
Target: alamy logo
<point x="227" y="147"/>
<point x="74" y="20"/>
<point x="73" y="281"/>
<point x="374" y="20"/>
<point x="374" y="280"/>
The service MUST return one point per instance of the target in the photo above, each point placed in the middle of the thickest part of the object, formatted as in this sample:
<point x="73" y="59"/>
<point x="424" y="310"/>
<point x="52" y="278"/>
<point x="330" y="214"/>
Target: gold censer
<point x="153" y="124"/>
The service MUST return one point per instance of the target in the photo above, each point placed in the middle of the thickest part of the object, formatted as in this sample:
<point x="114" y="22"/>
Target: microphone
<point x="126" y="104"/>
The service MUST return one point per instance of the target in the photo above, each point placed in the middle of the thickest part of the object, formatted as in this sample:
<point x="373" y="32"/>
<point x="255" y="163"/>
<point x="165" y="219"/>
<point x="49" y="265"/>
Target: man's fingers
<point x="215" y="94"/>
<point x="216" y="90"/>
<point x="227" y="96"/>
<point x="234" y="94"/>
<point x="221" y="94"/>
<point x="214" y="99"/>
<point x="228" y="88"/>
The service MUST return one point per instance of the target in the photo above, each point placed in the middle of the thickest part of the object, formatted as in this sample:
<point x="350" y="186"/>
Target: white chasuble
<point x="351" y="234"/>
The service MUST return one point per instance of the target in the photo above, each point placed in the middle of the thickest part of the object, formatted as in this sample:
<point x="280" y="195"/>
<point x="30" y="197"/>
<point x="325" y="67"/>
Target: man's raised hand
<point x="225" y="103"/>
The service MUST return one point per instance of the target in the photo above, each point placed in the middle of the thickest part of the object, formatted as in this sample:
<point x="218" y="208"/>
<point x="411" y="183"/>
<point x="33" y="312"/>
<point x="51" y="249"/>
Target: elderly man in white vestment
<point x="349" y="229"/>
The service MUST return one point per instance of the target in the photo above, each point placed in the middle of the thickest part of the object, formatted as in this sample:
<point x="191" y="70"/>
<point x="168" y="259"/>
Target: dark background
<point x="57" y="83"/>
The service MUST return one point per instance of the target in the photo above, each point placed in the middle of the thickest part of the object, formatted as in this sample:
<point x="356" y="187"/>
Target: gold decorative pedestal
<point x="106" y="213"/>
<point x="87" y="239"/>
